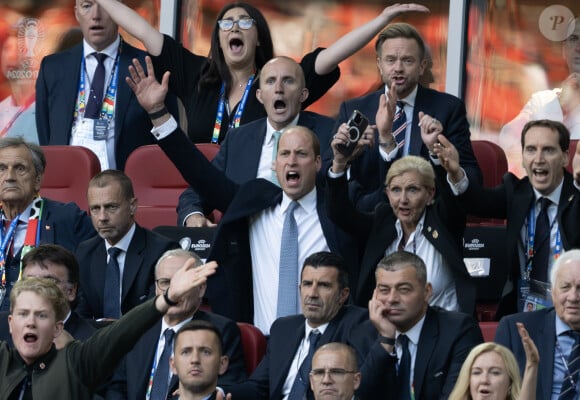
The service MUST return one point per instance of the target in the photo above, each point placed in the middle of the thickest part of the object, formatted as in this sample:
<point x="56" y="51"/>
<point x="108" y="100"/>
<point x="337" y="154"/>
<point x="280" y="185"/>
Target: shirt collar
<point x="409" y="100"/>
<point x="123" y="244"/>
<point x="414" y="333"/>
<point x="307" y="202"/>
<point x="270" y="129"/>
<point x="308" y="329"/>
<point x="418" y="229"/>
<point x="554" y="196"/>
<point x="561" y="326"/>
<point x="175" y="327"/>
<point x="111" y="50"/>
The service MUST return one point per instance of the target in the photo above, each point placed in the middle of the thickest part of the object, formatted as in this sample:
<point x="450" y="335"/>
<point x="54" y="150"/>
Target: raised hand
<point x="431" y="128"/>
<point x="576" y="165"/>
<point x="150" y="93"/>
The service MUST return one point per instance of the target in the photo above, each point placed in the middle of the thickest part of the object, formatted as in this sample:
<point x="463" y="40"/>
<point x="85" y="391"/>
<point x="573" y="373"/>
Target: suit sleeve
<point x="456" y="129"/>
<point x="468" y="335"/>
<point x="257" y="385"/>
<point x="42" y="124"/>
<point x="191" y="201"/>
<point x="211" y="183"/>
<point x="343" y="213"/>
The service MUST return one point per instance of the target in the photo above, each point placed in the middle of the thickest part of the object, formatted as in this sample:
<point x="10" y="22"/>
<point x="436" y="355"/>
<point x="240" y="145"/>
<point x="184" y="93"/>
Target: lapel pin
<point x="435" y="234"/>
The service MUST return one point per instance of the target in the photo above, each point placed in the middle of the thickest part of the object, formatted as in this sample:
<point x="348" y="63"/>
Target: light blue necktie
<point x="288" y="277"/>
<point x="276" y="137"/>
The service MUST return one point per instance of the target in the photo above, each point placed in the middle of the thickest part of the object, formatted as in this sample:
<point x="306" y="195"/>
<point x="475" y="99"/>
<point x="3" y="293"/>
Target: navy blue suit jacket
<point x="138" y="275"/>
<point x="369" y="168"/>
<point x="512" y="200"/>
<point x="132" y="376"/>
<point x="229" y="289"/>
<point x="56" y="95"/>
<point x="541" y="325"/>
<point x="240" y="152"/>
<point x="446" y="339"/>
<point x="64" y="224"/>
<point x="443" y="228"/>
<point x="267" y="381"/>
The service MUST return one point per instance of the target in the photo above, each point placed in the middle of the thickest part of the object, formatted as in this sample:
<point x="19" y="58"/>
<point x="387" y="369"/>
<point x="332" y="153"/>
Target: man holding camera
<point x="401" y="106"/>
<point x="248" y="151"/>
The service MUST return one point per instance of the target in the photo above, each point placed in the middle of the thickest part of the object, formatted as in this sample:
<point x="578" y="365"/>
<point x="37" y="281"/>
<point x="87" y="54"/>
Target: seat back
<point x="68" y="172"/>
<point x="254" y="345"/>
<point x="158" y="184"/>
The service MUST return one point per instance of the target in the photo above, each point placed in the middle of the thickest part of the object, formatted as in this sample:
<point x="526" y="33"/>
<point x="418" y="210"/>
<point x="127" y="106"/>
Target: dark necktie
<point x="404" y="372"/>
<point x="541" y="243"/>
<point x="400" y="125"/>
<point x="161" y="378"/>
<point x="568" y="390"/>
<point x="301" y="382"/>
<point x="112" y="292"/>
<point x="288" y="276"/>
<point x="95" y="102"/>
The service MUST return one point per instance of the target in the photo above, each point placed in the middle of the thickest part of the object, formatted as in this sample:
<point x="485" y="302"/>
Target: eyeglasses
<point x="336" y="374"/>
<point x="228" y="24"/>
<point x="163" y="283"/>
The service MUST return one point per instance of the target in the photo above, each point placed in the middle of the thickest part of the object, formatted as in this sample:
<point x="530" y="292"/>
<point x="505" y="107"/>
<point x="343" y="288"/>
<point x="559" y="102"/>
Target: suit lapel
<point x="546" y="331"/>
<point x="98" y="271"/>
<point x="46" y="228"/>
<point x="416" y="141"/>
<point x="427" y="342"/>
<point x="519" y="210"/>
<point x="124" y="92"/>
<point x="68" y="90"/>
<point x="287" y="352"/>
<point x="133" y="260"/>
<point x="328" y="228"/>
<point x="256" y="142"/>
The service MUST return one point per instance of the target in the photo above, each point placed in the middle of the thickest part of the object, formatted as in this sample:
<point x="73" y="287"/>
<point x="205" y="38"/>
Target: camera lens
<point x="353" y="133"/>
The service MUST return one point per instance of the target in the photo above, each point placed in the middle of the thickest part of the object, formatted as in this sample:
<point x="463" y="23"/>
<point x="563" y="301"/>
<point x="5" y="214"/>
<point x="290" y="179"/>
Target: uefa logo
<point x="30" y="40"/>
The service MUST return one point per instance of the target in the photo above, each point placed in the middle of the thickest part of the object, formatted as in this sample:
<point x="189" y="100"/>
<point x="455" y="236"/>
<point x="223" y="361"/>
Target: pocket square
<point x="438" y="374"/>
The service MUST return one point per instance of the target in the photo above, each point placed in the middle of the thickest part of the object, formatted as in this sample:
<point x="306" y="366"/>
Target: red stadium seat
<point x="68" y="172"/>
<point x="158" y="184"/>
<point x="254" y="345"/>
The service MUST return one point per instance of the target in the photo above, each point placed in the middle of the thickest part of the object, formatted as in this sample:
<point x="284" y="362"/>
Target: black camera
<point x="357" y="123"/>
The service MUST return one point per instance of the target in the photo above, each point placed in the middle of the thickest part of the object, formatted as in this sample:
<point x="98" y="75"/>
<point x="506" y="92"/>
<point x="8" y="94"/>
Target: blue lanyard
<point x="234" y="122"/>
<point x="5" y="239"/>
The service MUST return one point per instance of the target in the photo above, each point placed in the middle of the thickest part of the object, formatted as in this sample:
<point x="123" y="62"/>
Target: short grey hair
<point x="38" y="158"/>
<point x="179" y="253"/>
<point x="570" y="255"/>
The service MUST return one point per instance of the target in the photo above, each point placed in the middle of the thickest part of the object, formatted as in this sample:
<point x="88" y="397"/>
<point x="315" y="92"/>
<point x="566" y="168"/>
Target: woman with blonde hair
<point x="491" y="371"/>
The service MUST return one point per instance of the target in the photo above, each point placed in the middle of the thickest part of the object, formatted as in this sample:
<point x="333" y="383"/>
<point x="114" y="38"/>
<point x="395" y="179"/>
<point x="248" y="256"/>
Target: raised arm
<point x="530" y="380"/>
<point x="133" y="23"/>
<point x="355" y="40"/>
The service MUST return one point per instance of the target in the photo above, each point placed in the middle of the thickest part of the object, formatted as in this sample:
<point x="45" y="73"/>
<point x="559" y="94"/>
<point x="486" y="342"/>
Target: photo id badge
<point x="100" y="128"/>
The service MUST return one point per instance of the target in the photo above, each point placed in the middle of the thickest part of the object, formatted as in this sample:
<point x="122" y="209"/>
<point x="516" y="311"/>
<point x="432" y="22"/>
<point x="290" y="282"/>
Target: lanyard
<point x="531" y="234"/>
<point x="108" y="107"/>
<point x="31" y="239"/>
<point x="152" y="375"/>
<point x="4" y="240"/>
<point x="235" y="122"/>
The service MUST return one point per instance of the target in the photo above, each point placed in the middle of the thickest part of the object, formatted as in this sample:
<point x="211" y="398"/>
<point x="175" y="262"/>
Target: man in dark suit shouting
<point x="267" y="231"/>
<point x="429" y="343"/>
<point x="401" y="61"/>
<point x="248" y="151"/>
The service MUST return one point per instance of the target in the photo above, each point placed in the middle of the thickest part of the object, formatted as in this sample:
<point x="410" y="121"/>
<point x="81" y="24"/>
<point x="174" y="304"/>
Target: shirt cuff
<point x="388" y="156"/>
<point x="165" y="129"/>
<point x="335" y="175"/>
<point x="461" y="186"/>
<point x="189" y="215"/>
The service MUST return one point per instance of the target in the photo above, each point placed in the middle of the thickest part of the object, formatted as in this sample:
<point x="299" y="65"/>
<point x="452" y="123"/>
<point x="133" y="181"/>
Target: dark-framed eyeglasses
<point x="228" y="24"/>
<point x="336" y="374"/>
<point x="163" y="283"/>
